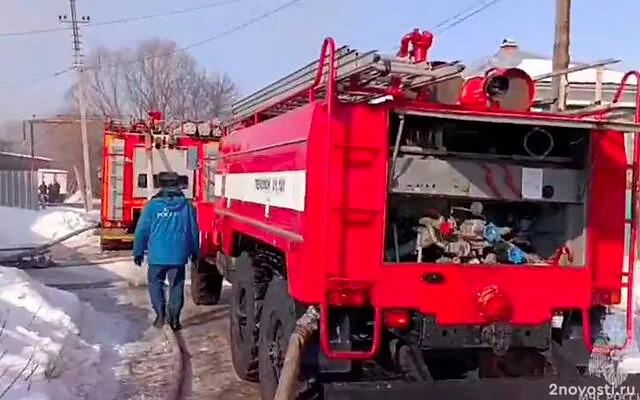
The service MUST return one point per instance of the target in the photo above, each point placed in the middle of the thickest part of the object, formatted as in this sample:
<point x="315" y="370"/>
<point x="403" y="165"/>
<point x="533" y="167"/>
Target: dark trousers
<point x="156" y="275"/>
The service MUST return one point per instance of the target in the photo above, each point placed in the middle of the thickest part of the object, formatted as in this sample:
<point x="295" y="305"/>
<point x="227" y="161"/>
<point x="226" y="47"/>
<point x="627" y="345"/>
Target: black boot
<point x="175" y="326"/>
<point x="174" y="323"/>
<point x="159" y="321"/>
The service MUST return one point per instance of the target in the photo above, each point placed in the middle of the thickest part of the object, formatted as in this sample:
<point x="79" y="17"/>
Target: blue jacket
<point x="167" y="229"/>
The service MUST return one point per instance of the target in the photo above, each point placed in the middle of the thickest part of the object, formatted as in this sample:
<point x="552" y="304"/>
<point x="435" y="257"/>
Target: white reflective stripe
<point x="217" y="185"/>
<point x="556" y="321"/>
<point x="283" y="189"/>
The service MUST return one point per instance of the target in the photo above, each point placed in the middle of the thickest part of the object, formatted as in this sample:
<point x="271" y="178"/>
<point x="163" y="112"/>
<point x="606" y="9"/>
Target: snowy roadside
<point x="636" y="289"/>
<point x="614" y="323"/>
<point x="77" y="198"/>
<point x="44" y="354"/>
<point x="53" y="345"/>
<point x="22" y="227"/>
<point x="118" y="271"/>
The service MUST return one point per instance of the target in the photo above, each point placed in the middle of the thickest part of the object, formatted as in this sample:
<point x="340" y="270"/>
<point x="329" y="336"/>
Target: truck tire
<point x="206" y="283"/>
<point x="279" y="317"/>
<point x="247" y="294"/>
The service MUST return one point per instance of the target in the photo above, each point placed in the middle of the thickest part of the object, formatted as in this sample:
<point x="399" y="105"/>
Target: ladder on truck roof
<point x="358" y="77"/>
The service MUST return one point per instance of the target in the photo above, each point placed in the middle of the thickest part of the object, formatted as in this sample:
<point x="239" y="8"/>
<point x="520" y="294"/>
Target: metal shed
<point x="19" y="180"/>
<point x="22" y="162"/>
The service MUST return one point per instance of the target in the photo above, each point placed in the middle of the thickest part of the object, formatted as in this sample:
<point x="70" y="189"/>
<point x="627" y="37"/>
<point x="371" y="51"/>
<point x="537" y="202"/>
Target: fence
<point x="19" y="189"/>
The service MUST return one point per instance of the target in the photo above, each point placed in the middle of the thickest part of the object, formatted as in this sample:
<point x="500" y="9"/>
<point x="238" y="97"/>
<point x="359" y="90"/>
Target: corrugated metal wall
<point x="19" y="189"/>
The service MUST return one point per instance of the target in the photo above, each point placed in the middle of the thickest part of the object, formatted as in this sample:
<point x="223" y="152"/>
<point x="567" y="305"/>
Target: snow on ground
<point x="74" y="198"/>
<point x="614" y="324"/>
<point x="77" y="198"/>
<point x="122" y="271"/>
<point x="21" y="227"/>
<point x="42" y="352"/>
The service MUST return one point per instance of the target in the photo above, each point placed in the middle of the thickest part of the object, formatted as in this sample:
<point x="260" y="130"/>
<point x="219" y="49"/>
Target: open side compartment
<point x="471" y="192"/>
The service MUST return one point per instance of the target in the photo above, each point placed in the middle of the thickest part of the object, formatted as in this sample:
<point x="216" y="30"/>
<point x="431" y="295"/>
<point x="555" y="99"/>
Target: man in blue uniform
<point x="168" y="231"/>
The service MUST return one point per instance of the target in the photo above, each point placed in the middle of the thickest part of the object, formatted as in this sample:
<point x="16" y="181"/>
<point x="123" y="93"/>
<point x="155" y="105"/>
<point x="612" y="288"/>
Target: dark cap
<point x="168" y="179"/>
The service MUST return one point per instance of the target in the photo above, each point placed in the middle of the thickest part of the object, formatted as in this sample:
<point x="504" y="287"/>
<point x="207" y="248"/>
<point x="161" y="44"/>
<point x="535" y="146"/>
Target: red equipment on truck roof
<point x="171" y="145"/>
<point x="436" y="226"/>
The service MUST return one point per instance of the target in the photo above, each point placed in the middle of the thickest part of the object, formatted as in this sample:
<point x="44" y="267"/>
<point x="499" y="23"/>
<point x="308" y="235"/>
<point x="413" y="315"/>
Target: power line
<point x="458" y="17"/>
<point x="128" y="19"/>
<point x="37" y="80"/>
<point x="464" y="17"/>
<point x="191" y="46"/>
<point x="206" y="40"/>
<point x="458" y="14"/>
<point x="243" y="25"/>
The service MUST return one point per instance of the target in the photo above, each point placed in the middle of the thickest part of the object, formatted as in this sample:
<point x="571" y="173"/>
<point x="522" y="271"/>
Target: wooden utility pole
<point x="561" y="53"/>
<point x="79" y="67"/>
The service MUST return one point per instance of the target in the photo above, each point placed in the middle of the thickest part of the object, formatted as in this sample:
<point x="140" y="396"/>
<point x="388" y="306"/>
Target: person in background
<point x="168" y="231"/>
<point x="54" y="195"/>
<point x="42" y="191"/>
<point x="49" y="193"/>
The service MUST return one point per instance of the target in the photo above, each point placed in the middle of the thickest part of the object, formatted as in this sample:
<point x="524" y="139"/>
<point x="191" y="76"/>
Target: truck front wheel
<point x="246" y="305"/>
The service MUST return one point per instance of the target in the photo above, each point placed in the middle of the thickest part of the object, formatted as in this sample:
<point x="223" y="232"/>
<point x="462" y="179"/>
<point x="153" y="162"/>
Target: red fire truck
<point x="133" y="155"/>
<point x="435" y="228"/>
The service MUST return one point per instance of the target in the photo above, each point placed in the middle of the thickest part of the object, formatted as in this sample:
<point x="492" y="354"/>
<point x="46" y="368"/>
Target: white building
<point x="582" y="84"/>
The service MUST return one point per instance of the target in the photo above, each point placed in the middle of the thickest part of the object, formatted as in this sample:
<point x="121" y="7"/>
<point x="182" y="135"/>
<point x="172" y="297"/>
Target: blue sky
<point x="275" y="46"/>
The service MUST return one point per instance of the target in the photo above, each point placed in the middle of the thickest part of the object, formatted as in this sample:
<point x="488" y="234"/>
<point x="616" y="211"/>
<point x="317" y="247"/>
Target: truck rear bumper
<point x="587" y="388"/>
<point x="115" y="239"/>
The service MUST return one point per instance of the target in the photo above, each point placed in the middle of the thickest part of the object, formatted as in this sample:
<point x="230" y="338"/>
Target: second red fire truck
<point x="134" y="154"/>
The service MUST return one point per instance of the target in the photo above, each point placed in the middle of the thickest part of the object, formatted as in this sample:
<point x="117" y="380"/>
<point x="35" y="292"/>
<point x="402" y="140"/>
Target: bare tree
<point x="106" y="84"/>
<point x="219" y="93"/>
<point x="159" y="76"/>
<point x="12" y="136"/>
<point x="7" y="145"/>
<point x="106" y="93"/>
<point x="154" y="75"/>
<point x="62" y="143"/>
<point x="206" y="96"/>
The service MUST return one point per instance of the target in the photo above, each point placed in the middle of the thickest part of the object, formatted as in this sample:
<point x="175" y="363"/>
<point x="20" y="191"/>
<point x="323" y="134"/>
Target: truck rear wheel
<point x="246" y="306"/>
<point x="278" y="320"/>
<point x="206" y="283"/>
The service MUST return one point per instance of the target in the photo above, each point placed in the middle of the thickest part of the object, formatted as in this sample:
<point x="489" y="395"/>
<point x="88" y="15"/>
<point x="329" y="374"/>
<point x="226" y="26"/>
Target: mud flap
<point x="226" y="265"/>
<point x="581" y="388"/>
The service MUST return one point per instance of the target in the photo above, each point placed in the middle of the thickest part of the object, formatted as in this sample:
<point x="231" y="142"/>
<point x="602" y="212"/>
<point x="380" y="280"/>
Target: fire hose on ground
<point x="304" y="329"/>
<point x="39" y="249"/>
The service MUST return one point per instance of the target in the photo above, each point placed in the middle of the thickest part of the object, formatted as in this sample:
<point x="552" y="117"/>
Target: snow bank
<point x="55" y="224"/>
<point x="636" y="290"/>
<point x="42" y="355"/>
<point x="20" y="227"/>
<point x="77" y="198"/>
